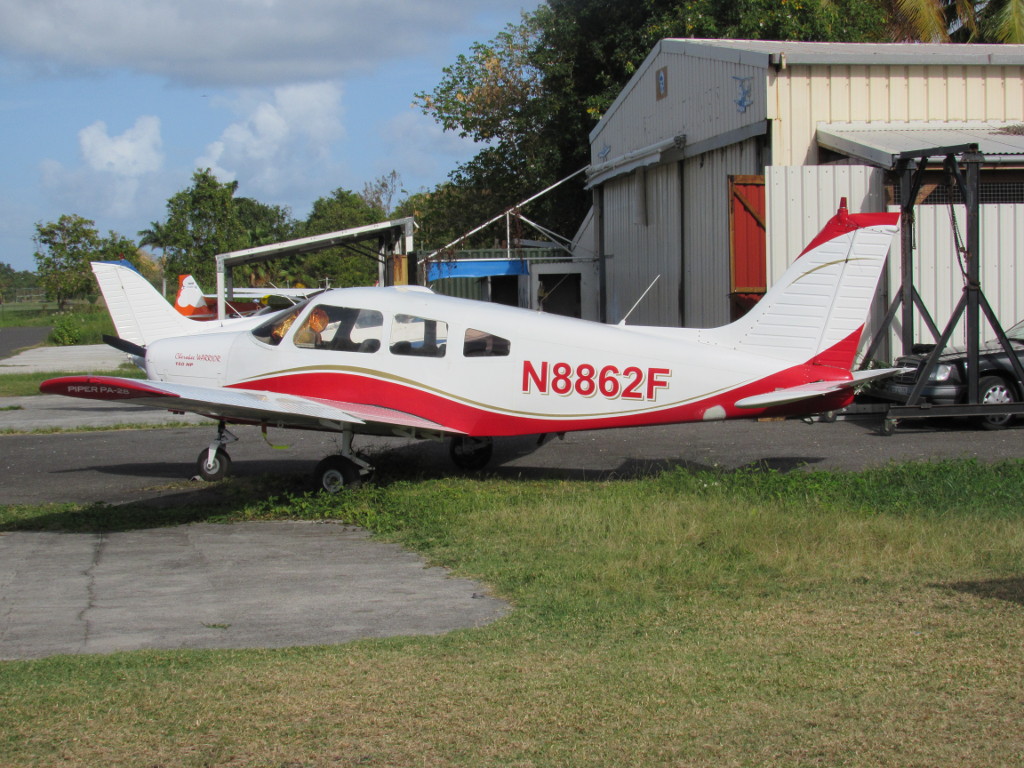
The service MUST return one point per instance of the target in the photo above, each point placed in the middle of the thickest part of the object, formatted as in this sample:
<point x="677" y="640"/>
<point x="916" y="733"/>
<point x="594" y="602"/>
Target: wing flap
<point x="230" y="403"/>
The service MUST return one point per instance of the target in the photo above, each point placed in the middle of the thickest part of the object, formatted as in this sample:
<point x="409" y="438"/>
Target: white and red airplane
<point x="191" y="302"/>
<point x="405" y="361"/>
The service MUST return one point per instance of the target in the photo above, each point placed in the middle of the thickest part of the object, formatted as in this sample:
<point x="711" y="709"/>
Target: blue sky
<point x="108" y="106"/>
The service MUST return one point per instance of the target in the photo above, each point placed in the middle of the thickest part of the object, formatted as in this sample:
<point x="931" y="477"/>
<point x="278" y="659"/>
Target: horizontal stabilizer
<point x="814" y="389"/>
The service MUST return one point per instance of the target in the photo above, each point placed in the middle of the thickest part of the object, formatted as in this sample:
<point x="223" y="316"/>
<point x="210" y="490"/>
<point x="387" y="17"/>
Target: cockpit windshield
<point x="277" y="325"/>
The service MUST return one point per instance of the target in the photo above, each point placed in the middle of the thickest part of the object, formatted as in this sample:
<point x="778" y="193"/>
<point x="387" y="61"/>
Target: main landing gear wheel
<point x="213" y="468"/>
<point x="471" y="453"/>
<point x="336" y="473"/>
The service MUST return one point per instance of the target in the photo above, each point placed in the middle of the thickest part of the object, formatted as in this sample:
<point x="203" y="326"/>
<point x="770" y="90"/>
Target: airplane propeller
<point x="123" y="345"/>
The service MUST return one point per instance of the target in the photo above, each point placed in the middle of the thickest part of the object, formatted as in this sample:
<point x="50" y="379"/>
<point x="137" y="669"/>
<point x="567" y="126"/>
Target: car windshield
<point x="1017" y="332"/>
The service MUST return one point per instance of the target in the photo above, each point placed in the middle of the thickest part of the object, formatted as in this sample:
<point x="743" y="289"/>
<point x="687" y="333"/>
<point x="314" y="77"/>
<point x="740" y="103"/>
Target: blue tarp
<point x="476" y="268"/>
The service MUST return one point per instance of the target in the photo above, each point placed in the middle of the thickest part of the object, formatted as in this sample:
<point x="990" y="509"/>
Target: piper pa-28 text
<point x="405" y="361"/>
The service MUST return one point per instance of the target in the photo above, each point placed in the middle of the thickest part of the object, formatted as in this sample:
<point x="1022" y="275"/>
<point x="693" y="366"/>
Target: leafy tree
<point x="12" y="279"/>
<point x="202" y="221"/>
<point x="940" y="21"/>
<point x="115" y="247"/>
<point x="355" y="265"/>
<point x="535" y="91"/>
<point x="380" y="193"/>
<point x="156" y="235"/>
<point x="264" y="224"/>
<point x="63" y="251"/>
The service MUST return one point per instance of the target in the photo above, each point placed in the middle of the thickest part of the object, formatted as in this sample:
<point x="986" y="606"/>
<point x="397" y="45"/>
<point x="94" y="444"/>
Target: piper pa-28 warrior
<point x="405" y="361"/>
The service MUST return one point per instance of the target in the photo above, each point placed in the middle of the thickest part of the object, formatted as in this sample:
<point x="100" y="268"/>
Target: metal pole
<point x="907" y="193"/>
<point x="972" y="160"/>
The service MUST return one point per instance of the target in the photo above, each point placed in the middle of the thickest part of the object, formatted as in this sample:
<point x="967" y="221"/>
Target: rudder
<point x="140" y="314"/>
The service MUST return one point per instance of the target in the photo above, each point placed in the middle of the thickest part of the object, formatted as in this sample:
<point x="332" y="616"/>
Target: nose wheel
<point x="215" y="467"/>
<point x="213" y="462"/>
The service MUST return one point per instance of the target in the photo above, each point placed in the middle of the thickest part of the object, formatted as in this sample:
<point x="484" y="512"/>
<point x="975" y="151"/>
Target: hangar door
<point x="747" y="249"/>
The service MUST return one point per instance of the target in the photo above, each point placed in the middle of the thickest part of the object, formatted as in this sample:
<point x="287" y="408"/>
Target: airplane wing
<point x="814" y="389"/>
<point x="238" y="404"/>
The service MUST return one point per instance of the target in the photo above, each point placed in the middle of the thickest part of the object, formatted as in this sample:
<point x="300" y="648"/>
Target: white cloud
<point x="133" y="153"/>
<point x="110" y="180"/>
<point x="236" y="42"/>
<point x="279" y="137"/>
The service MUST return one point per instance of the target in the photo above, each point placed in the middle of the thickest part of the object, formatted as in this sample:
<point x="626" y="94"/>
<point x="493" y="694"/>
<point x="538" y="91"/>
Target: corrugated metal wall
<point x="937" y="274"/>
<point x="706" y="279"/>
<point x="802" y="199"/>
<point x="672" y="219"/>
<point x="705" y="98"/>
<point x="643" y="235"/>
<point x="802" y="96"/>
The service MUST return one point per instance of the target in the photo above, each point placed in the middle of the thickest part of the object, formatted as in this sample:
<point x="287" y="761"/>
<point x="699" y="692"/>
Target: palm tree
<point x="942" y="21"/>
<point x="157" y="237"/>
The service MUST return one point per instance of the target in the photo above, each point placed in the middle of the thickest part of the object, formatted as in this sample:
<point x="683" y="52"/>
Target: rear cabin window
<point x="340" y="329"/>
<point x="419" y="336"/>
<point x="483" y="344"/>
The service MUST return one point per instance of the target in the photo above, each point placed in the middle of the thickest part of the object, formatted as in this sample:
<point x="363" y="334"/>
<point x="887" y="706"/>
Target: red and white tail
<point x="816" y="312"/>
<point x="192" y="302"/>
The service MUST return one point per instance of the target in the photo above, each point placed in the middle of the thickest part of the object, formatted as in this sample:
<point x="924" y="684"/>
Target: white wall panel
<point x="807" y="95"/>
<point x="937" y="273"/>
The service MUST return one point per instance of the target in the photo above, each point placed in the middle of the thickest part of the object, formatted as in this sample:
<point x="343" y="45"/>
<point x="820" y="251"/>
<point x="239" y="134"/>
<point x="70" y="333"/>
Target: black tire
<point x="994" y="389"/>
<point x="888" y="428"/>
<point x="471" y="453"/>
<point x="216" y="470"/>
<point x="336" y="473"/>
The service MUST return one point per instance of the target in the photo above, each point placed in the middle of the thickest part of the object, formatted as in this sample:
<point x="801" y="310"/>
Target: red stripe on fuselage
<point x="518" y="418"/>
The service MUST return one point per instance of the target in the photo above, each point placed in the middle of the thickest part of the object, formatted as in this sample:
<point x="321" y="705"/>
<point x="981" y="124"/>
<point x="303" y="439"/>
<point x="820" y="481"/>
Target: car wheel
<point x="993" y="389"/>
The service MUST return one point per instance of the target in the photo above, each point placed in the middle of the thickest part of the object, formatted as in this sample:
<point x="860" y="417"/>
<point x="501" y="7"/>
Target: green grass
<point x="28" y="314"/>
<point x="80" y="323"/>
<point x="709" y="619"/>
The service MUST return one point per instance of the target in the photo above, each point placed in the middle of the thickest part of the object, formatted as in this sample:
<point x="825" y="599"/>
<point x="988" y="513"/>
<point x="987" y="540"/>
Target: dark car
<point x="947" y="384"/>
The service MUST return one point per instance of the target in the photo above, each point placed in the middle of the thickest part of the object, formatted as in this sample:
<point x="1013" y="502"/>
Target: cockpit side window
<point x="412" y="335"/>
<point x="484" y="344"/>
<point x="341" y="329"/>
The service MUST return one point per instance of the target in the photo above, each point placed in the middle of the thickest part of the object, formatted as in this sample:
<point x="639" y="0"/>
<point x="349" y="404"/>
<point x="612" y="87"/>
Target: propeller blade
<point x="124" y="346"/>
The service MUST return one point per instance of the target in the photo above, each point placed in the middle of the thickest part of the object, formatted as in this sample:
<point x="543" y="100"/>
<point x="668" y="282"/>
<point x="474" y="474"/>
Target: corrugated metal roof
<point x="782" y="53"/>
<point x="880" y="144"/>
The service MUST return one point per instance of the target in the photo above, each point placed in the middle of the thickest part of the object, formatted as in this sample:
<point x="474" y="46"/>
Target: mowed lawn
<point x="733" y="619"/>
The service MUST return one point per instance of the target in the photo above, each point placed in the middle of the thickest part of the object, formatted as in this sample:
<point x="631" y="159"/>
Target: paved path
<point x="265" y="585"/>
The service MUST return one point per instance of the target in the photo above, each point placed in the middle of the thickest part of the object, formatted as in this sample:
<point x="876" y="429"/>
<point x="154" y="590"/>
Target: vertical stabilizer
<point x="817" y="310"/>
<point x="140" y="314"/>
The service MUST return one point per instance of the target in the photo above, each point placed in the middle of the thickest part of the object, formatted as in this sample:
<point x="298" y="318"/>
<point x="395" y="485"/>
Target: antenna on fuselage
<point x="642" y="295"/>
